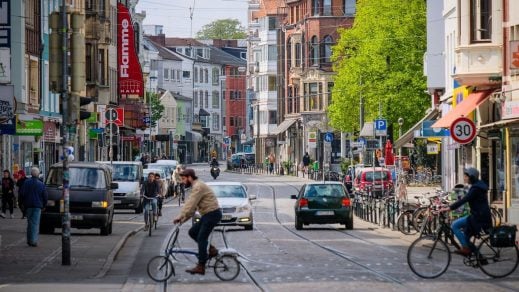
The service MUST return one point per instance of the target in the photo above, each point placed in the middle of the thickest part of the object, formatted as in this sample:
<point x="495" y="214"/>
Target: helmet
<point x="472" y="173"/>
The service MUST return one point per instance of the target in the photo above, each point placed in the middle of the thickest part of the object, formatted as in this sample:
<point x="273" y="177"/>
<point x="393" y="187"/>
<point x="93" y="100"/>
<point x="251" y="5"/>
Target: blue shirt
<point x="33" y="194"/>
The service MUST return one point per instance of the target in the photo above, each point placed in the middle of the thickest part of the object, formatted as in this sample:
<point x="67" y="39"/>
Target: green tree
<point x="381" y="58"/>
<point x="157" y="109"/>
<point x="222" y="29"/>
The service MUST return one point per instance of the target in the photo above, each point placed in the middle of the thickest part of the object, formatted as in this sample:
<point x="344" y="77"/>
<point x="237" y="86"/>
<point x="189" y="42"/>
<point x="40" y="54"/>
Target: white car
<point x="234" y="202"/>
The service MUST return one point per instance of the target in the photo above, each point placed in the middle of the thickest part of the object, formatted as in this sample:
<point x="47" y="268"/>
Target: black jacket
<point x="480" y="217"/>
<point x="150" y="189"/>
<point x="7" y="186"/>
<point x="306" y="160"/>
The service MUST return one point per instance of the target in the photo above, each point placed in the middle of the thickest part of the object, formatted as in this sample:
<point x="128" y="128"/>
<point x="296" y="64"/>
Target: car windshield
<point x="376" y="175"/>
<point x="125" y="172"/>
<point x="80" y="177"/>
<point x="331" y="190"/>
<point x="165" y="168"/>
<point x="222" y="191"/>
<point x="149" y="170"/>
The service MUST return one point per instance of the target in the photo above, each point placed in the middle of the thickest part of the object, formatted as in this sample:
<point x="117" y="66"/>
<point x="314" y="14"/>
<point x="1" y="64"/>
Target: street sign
<point x="328" y="137"/>
<point x="112" y="128"/>
<point x="380" y="127"/>
<point x="357" y="144"/>
<point x="312" y="140"/>
<point x="146" y="120"/>
<point x="463" y="130"/>
<point x="227" y="140"/>
<point x="372" y="144"/>
<point x="115" y="115"/>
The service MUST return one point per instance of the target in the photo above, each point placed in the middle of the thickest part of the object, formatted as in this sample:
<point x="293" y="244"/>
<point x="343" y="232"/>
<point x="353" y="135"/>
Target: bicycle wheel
<point x="405" y="223"/>
<point x="160" y="268"/>
<point x="497" y="262"/>
<point x="428" y="257"/>
<point x="226" y="268"/>
<point x="419" y="217"/>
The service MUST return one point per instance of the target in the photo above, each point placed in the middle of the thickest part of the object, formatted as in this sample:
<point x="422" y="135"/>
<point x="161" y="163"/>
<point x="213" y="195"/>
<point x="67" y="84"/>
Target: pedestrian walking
<point x="7" y="194"/>
<point x="19" y="183"/>
<point x="272" y="160"/>
<point x="34" y="197"/>
<point x="306" y="163"/>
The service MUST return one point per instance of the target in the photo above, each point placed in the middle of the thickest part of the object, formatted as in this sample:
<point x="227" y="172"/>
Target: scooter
<point x="215" y="171"/>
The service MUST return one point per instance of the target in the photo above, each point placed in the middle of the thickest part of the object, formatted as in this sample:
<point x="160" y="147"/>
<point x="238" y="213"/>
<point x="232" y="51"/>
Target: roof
<point x="182" y="42"/>
<point x="219" y="56"/>
<point x="165" y="53"/>
<point x="84" y="164"/>
<point x="269" y="7"/>
<point x="181" y="97"/>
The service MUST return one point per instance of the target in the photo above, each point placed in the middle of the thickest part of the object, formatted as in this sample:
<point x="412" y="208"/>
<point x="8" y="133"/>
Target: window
<point x="206" y="78"/>
<point x="216" y="121"/>
<point x="178" y="75"/>
<point x="273" y="117"/>
<point x="330" y="90"/>
<point x="196" y="75"/>
<point x="216" y="76"/>
<point x="195" y="99"/>
<point x="327" y="49"/>
<point x="204" y="121"/>
<point x="315" y="7"/>
<point x="272" y="83"/>
<point x="349" y="7"/>
<point x="272" y="22"/>
<point x="320" y="96"/>
<point x="272" y="53"/>
<point x="172" y="74"/>
<point x="216" y="99"/>
<point x="314" y="51"/>
<point x="188" y="52"/>
<point x="206" y="98"/>
<point x="480" y="20"/>
<point x="231" y="121"/>
<point x="89" y="63"/>
<point x="327" y="7"/>
<point x="166" y="74"/>
<point x="200" y="53"/>
<point x="289" y="54"/>
<point x="101" y="69"/>
<point x="186" y="74"/>
<point x="298" y="55"/>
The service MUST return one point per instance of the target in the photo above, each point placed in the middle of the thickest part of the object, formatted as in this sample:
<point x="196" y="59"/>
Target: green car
<point x="323" y="203"/>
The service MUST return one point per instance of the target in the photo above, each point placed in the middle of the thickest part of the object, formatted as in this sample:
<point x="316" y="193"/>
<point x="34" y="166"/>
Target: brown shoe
<point x="212" y="251"/>
<point x="464" y="251"/>
<point x="198" y="269"/>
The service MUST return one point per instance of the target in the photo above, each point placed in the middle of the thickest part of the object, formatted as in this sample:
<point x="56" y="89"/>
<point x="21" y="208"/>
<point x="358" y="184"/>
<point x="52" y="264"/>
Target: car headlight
<point x="99" y="204"/>
<point x="134" y="194"/>
<point x="245" y="208"/>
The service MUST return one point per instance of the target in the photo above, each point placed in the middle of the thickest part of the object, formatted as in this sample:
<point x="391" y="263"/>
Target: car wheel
<point x="299" y="223"/>
<point x="106" y="230"/>
<point x="349" y="225"/>
<point x="249" y="227"/>
<point x="45" y="229"/>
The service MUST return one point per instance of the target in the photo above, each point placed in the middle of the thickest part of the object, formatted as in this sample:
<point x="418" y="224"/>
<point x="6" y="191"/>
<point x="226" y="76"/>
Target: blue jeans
<point x="201" y="230"/>
<point x="153" y="207"/>
<point x="459" y="227"/>
<point x="33" y="224"/>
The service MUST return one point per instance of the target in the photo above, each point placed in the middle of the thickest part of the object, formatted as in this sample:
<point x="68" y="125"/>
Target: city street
<point x="275" y="257"/>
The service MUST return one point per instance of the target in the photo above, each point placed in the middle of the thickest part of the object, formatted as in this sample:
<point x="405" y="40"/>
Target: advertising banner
<point x="312" y="139"/>
<point x="129" y="69"/>
<point x="27" y="126"/>
<point x="7" y="110"/>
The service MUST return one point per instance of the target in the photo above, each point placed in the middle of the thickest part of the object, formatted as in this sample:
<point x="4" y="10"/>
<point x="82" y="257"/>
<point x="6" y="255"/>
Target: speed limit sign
<point x="463" y="130"/>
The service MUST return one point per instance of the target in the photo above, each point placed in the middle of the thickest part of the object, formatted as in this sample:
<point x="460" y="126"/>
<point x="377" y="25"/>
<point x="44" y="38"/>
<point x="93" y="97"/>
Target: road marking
<point x="19" y="241"/>
<point x="47" y="260"/>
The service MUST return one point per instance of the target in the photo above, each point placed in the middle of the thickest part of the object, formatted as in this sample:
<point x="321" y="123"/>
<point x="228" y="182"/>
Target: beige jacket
<point x="201" y="198"/>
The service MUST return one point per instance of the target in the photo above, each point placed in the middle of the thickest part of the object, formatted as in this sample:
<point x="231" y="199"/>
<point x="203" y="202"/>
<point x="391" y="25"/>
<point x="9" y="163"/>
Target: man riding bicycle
<point x="150" y="191"/>
<point x="203" y="199"/>
<point x="480" y="217"/>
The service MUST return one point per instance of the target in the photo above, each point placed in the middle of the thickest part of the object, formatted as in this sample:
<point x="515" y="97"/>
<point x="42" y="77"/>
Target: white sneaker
<point x="12" y="216"/>
<point x="2" y="215"/>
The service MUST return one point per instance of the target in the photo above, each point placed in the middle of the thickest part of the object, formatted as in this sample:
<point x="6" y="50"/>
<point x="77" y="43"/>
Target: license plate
<point x="226" y="217"/>
<point x="324" y="213"/>
<point x="117" y="201"/>
<point x="76" y="217"/>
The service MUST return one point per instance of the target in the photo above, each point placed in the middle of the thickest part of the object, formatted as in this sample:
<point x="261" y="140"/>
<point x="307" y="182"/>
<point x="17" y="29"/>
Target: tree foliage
<point x="157" y="108"/>
<point x="222" y="29"/>
<point x="381" y="58"/>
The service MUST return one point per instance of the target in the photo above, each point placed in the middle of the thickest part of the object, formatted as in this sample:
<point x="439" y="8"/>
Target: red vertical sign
<point x="129" y="71"/>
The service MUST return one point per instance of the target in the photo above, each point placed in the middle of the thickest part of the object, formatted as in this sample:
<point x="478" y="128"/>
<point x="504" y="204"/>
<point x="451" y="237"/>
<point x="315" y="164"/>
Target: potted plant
<point x="287" y="165"/>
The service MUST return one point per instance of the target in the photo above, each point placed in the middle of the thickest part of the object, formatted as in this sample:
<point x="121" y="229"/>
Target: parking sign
<point x="380" y="127"/>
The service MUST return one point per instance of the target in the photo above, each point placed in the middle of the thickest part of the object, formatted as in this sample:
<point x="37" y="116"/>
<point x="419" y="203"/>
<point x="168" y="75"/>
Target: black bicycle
<point x="429" y="256"/>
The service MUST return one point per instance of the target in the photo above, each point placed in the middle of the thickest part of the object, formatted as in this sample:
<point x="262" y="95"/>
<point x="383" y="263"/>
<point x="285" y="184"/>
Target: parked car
<point x="234" y="202"/>
<point x="323" y="203"/>
<point x="241" y="159"/>
<point x="91" y="197"/>
<point x="375" y="179"/>
<point x="128" y="175"/>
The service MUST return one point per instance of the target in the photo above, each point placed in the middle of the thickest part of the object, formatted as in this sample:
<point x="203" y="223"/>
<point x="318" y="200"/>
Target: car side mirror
<point x="252" y="197"/>
<point x="294" y="197"/>
<point x="114" y="186"/>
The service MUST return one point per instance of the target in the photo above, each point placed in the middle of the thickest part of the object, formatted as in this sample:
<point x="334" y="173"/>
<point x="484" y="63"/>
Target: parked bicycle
<point x="160" y="268"/>
<point x="497" y="254"/>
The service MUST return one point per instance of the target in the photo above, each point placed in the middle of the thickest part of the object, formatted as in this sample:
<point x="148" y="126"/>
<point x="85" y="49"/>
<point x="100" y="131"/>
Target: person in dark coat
<point x="19" y="183"/>
<point x="7" y="194"/>
<point x="34" y="197"/>
<point x="306" y="163"/>
<point x="479" y="218"/>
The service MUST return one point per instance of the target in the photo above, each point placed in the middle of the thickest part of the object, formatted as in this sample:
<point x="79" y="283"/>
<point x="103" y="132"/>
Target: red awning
<point x="464" y="108"/>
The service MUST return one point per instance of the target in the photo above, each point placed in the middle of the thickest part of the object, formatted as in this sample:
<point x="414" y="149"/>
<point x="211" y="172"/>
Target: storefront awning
<point x="409" y="135"/>
<point x="367" y="130"/>
<point x="203" y="113"/>
<point x="498" y="124"/>
<point x="193" y="136"/>
<point x="464" y="108"/>
<point x="283" y="126"/>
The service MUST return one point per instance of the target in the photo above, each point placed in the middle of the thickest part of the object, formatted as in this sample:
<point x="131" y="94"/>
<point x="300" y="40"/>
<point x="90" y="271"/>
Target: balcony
<point x="254" y="5"/>
<point x="479" y="64"/>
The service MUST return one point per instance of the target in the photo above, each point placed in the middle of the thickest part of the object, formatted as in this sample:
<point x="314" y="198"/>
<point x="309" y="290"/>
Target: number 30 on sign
<point x="463" y="130"/>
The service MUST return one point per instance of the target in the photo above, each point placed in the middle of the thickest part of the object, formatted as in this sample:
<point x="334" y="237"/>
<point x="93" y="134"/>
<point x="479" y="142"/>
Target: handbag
<point x="503" y="236"/>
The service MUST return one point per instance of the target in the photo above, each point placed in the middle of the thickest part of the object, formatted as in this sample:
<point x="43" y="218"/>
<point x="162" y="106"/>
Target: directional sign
<point x="380" y="127"/>
<point x="328" y="137"/>
<point x="463" y="130"/>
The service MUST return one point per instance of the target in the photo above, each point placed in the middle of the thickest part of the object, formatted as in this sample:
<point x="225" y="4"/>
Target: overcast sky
<point x="174" y="14"/>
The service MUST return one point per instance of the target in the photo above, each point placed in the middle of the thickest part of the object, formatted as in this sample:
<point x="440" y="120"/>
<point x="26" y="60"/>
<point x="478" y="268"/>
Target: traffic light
<point x="84" y="114"/>
<point x="55" y="53"/>
<point x="77" y="53"/>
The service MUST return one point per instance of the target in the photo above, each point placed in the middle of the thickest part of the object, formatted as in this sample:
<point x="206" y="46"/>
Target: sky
<point x="174" y="14"/>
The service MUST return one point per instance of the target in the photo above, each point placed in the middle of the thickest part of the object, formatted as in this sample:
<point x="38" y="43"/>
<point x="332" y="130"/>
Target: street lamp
<point x="400" y="124"/>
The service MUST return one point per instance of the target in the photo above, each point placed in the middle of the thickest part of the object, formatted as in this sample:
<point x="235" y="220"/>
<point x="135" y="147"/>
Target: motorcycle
<point x="215" y="171"/>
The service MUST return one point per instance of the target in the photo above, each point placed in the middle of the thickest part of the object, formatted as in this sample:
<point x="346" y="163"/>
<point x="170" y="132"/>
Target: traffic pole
<point x="66" y="129"/>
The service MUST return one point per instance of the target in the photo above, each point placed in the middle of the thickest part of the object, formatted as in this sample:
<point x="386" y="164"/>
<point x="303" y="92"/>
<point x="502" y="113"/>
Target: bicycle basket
<point x="503" y="236"/>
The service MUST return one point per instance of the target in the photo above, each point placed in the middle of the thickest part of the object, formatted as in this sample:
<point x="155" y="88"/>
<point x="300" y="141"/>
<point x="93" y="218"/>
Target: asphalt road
<point x="275" y="256"/>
